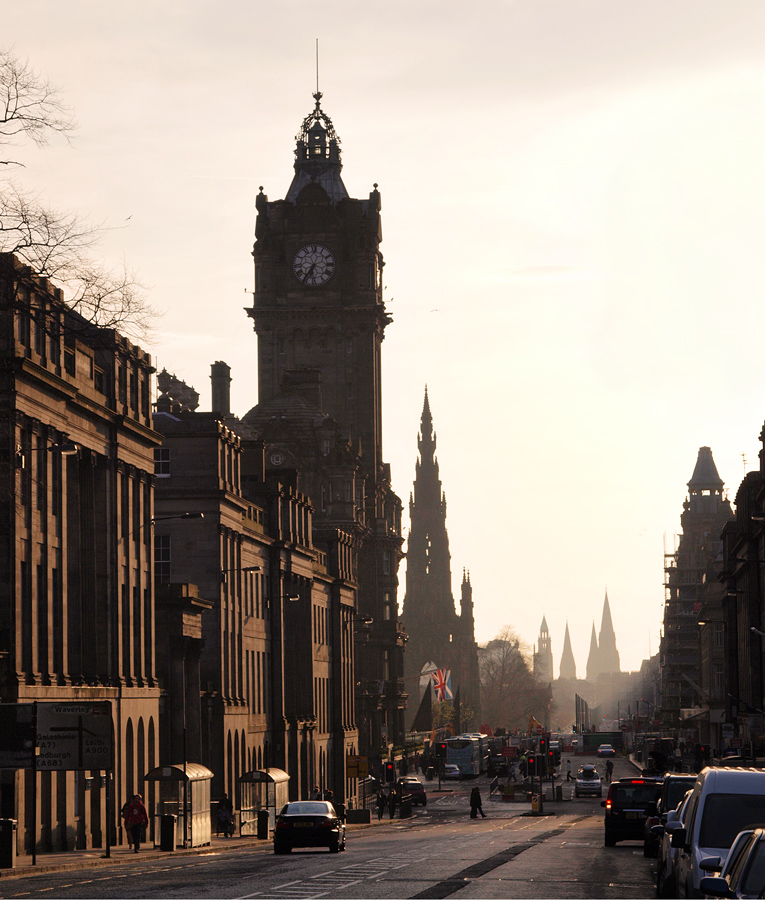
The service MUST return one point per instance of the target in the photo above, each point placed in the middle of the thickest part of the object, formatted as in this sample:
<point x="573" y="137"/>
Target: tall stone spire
<point x="567" y="662"/>
<point x="436" y="632"/>
<point x="593" y="662"/>
<point x="608" y="655"/>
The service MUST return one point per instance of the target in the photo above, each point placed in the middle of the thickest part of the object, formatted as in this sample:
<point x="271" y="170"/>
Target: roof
<point x="705" y="474"/>
<point x="180" y="772"/>
<point x="270" y="775"/>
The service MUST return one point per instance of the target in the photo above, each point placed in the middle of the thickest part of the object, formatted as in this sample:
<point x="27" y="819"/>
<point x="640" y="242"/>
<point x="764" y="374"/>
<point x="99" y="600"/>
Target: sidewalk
<point x="121" y="855"/>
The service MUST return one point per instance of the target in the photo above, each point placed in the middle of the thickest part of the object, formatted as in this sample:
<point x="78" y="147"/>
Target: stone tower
<point x="436" y="633"/>
<point x="543" y="658"/>
<point x="567" y="662"/>
<point x="320" y="318"/>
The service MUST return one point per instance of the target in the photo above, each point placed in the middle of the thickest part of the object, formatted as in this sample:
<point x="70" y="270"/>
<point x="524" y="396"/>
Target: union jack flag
<point x="442" y="684"/>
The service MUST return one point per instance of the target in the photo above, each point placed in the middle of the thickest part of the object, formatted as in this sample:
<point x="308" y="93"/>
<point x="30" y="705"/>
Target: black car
<point x="409" y="788"/>
<point x="309" y="823"/>
<point x="627" y="808"/>
<point x="672" y="792"/>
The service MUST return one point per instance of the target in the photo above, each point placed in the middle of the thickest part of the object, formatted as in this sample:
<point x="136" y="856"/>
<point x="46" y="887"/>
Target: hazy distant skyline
<point x="573" y="207"/>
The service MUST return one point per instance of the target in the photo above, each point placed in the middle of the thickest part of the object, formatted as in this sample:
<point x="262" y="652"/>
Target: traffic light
<point x="390" y="772"/>
<point x="441" y="749"/>
<point x="543" y="747"/>
<point x="531" y="764"/>
<point x="551" y="762"/>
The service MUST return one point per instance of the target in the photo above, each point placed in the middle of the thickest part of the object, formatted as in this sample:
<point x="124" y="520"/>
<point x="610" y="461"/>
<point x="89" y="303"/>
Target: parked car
<point x="452" y="772"/>
<point x="606" y="750"/>
<point x="309" y="823"/>
<point x="743" y="873"/>
<point x="665" y="860"/>
<point x="673" y="790"/>
<point x="588" y="783"/>
<point x="411" y="787"/>
<point x="723" y="803"/>
<point x="627" y="808"/>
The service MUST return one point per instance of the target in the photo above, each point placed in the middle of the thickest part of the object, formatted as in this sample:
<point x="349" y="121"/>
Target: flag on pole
<point x="442" y="684"/>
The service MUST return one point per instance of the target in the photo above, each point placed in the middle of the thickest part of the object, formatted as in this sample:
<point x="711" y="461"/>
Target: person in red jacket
<point x="136" y="819"/>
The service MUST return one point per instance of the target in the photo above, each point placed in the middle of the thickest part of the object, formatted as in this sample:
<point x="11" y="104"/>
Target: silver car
<point x="588" y="783"/>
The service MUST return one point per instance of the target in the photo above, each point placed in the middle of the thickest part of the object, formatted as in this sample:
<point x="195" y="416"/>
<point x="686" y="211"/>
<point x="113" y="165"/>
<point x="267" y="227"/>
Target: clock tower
<point x="320" y="320"/>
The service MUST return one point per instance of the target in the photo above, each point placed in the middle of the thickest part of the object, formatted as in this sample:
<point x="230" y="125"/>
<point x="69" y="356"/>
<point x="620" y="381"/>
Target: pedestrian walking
<point x="136" y="819"/>
<point x="609" y="770"/>
<point x="382" y="802"/>
<point x="475" y="804"/>
<point x="392" y="801"/>
<point x="512" y="772"/>
<point x="315" y="794"/>
<point x="128" y="833"/>
<point x="568" y="770"/>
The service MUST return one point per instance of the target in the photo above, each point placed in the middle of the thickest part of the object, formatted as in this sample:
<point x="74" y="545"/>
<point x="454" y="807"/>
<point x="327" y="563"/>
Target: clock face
<point x="313" y="264"/>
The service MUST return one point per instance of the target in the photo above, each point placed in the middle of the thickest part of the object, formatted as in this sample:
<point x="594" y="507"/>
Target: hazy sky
<point x="573" y="218"/>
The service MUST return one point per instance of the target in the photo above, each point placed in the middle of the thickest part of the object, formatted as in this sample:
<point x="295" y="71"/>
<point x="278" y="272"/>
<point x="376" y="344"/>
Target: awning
<point x="269" y="776"/>
<point x="193" y="772"/>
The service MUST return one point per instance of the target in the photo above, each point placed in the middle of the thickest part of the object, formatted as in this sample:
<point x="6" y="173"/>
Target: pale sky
<point x="573" y="218"/>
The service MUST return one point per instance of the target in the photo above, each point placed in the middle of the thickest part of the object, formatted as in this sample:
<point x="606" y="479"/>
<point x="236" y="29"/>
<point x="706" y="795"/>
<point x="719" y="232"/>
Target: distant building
<point x="437" y="633"/>
<point x="543" y="656"/>
<point x="567" y="668"/>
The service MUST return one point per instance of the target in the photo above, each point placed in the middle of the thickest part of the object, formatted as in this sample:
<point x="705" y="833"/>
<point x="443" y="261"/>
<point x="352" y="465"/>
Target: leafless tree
<point x="58" y="245"/>
<point x="510" y="694"/>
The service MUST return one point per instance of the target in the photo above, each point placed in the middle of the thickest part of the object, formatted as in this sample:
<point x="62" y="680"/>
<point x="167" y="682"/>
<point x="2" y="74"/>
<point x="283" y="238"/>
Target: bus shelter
<point x="184" y="792"/>
<point x="262" y="789"/>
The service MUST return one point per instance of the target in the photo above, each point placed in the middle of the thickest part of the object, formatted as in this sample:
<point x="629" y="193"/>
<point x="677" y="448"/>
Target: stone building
<point x="320" y="318"/>
<point x="705" y="513"/>
<point x="265" y="679"/>
<point x="76" y="511"/>
<point x="437" y="633"/>
<point x="543" y="655"/>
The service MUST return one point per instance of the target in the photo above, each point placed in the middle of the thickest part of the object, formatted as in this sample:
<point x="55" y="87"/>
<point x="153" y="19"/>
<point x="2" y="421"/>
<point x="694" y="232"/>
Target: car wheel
<point x="424" y="802"/>
<point x="610" y="840"/>
<point x="281" y="848"/>
<point x="334" y="847"/>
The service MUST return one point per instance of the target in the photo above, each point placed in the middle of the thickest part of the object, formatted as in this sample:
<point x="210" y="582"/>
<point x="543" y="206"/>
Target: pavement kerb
<point x="90" y="859"/>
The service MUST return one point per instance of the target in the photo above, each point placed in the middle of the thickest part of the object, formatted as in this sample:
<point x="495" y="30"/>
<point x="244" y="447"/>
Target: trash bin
<point x="537" y="804"/>
<point x="7" y="843"/>
<point x="558" y="791"/>
<point x="263" y="825"/>
<point x="167" y="832"/>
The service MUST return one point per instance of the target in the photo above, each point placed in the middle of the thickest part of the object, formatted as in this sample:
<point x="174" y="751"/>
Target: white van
<point x="723" y="802"/>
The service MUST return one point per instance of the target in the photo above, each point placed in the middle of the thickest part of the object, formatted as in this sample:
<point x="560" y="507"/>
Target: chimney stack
<point x="220" y="376"/>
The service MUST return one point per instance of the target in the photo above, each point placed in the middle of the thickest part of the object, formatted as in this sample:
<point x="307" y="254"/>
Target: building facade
<point x="699" y="550"/>
<point x="76" y="512"/>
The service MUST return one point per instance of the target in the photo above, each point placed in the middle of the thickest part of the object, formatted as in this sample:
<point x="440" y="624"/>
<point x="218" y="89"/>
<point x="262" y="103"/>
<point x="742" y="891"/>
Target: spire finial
<point x="318" y="93"/>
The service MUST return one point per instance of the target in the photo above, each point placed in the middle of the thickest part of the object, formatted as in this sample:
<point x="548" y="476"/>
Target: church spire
<point x="567" y="662"/>
<point x="317" y="156"/>
<point x="593" y="667"/>
<point x="608" y="655"/>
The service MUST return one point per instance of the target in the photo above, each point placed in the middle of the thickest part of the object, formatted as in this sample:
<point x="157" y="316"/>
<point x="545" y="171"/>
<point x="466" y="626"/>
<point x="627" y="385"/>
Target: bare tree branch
<point x="29" y="105"/>
<point x="59" y="245"/>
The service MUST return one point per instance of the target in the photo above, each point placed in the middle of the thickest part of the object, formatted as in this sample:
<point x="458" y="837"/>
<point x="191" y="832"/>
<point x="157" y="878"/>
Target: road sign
<point x="357" y="766"/>
<point x="17" y="735"/>
<point x="74" y="736"/>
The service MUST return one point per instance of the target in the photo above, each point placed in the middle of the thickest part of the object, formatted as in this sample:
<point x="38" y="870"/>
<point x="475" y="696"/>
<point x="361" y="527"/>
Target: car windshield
<point x="307" y="808"/>
<point x="634" y="796"/>
<point x="589" y="775"/>
<point x="755" y="877"/>
<point x="676" y="790"/>
<point x="727" y="814"/>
